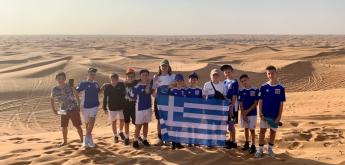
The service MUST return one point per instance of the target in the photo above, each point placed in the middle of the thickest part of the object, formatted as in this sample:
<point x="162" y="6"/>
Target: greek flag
<point x="193" y="120"/>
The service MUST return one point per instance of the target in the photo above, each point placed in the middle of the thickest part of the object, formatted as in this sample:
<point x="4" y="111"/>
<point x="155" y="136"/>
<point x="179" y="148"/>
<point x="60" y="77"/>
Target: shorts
<point x="74" y="115"/>
<point x="129" y="112"/>
<point x="115" y="115"/>
<point x="143" y="116"/>
<point x="88" y="113"/>
<point x="250" y="123"/>
<point x="155" y="109"/>
<point x="264" y="124"/>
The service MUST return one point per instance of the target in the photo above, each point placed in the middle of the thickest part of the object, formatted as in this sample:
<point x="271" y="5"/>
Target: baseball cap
<point x="165" y="62"/>
<point x="193" y="75"/>
<point x="215" y="71"/>
<point x="92" y="70"/>
<point x="130" y="71"/>
<point x="179" y="77"/>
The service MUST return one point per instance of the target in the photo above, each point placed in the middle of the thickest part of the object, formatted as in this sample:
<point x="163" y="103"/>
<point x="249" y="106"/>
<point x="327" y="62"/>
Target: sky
<point x="172" y="17"/>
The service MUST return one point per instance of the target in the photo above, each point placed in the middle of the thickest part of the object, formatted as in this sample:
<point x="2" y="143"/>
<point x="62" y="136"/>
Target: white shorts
<point x="143" y="116"/>
<point x="264" y="124"/>
<point x="250" y="123"/>
<point x="88" y="113"/>
<point x="115" y="115"/>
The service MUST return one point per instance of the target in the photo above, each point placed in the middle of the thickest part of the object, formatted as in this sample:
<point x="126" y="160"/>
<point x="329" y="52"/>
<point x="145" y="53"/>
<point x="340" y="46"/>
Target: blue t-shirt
<point x="143" y="99"/>
<point x="177" y="92"/>
<point x="271" y="97"/>
<point x="248" y="97"/>
<point x="193" y="92"/>
<point x="231" y="88"/>
<point x="91" y="90"/>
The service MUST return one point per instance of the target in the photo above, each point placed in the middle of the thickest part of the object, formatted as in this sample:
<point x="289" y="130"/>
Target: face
<point x="245" y="81"/>
<point x="144" y="76"/>
<point x="61" y="80"/>
<point x="130" y="77"/>
<point x="215" y="78"/>
<point x="271" y="74"/>
<point x="113" y="80"/>
<point x="228" y="73"/>
<point x="193" y="81"/>
<point x="164" y="68"/>
<point x="179" y="83"/>
<point x="91" y="75"/>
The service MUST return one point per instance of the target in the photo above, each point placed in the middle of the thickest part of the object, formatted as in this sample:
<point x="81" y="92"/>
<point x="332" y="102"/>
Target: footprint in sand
<point x="295" y="145"/>
<point x="16" y="138"/>
<point x="21" y="163"/>
<point x="33" y="139"/>
<point x="295" y="124"/>
<point x="7" y="156"/>
<point x="21" y="150"/>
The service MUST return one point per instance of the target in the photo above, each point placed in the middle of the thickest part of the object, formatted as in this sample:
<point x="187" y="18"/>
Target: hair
<point x="144" y="71"/>
<point x="114" y="75"/>
<point x="271" y="67"/>
<point x="160" y="70"/>
<point x="60" y="74"/>
<point x="244" y="76"/>
<point x="226" y="67"/>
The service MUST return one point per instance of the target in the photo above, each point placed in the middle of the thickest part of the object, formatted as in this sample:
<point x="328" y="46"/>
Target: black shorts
<point x="155" y="109"/>
<point x="129" y="111"/>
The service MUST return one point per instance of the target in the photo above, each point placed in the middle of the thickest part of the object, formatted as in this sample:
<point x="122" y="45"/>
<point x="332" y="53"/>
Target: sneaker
<point x="126" y="142"/>
<point x="146" y="143"/>
<point x="90" y="143"/>
<point x="116" y="139"/>
<point x="230" y="145"/>
<point x="173" y="145"/>
<point x="252" y="149"/>
<point x="271" y="153"/>
<point x="258" y="154"/>
<point x="190" y="145"/>
<point x="85" y="142"/>
<point x="245" y="147"/>
<point x="179" y="146"/>
<point x="159" y="143"/>
<point x="140" y="140"/>
<point x="122" y="136"/>
<point x="136" y="144"/>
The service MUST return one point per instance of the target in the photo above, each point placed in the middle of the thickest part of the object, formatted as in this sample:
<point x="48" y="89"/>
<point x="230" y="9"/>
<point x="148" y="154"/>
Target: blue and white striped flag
<point x="193" y="120"/>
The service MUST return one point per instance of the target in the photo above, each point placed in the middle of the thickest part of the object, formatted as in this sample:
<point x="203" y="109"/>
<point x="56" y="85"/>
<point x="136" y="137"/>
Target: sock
<point x="119" y="131"/>
<point x="115" y="134"/>
<point x="261" y="147"/>
<point x="126" y="136"/>
<point x="270" y="146"/>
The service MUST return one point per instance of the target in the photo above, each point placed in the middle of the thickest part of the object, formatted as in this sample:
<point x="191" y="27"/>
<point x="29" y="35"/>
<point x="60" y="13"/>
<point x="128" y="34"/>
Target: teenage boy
<point x="69" y="104"/>
<point x="248" y="99"/>
<point x="231" y="85"/>
<point x="143" y="109"/>
<point x="113" y="102"/>
<point x="272" y="98"/>
<point x="89" y="90"/>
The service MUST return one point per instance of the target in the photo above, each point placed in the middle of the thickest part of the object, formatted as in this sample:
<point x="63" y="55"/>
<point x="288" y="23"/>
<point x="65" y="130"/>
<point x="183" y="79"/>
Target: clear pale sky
<point x="172" y="17"/>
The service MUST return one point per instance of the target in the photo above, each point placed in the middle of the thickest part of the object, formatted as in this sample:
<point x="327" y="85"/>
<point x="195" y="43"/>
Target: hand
<point x="55" y="112"/>
<point x="262" y="116"/>
<point x="244" y="113"/>
<point x="231" y="114"/>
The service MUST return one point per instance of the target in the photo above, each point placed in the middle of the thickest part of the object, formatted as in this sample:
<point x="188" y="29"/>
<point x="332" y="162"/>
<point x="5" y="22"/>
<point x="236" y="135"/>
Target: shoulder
<point x="281" y="86"/>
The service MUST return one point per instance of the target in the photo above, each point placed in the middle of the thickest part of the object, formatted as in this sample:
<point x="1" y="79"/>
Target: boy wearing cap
<point x="142" y="92"/>
<point x="231" y="85"/>
<point x="113" y="102"/>
<point x="194" y="90"/>
<point x="178" y="91"/>
<point x="129" y="108"/>
<point x="248" y="99"/>
<point x="89" y="90"/>
<point x="272" y="98"/>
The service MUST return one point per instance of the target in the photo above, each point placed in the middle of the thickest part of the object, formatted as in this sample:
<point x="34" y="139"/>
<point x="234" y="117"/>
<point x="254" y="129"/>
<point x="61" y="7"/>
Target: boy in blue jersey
<point x="142" y="92"/>
<point x="272" y="98"/>
<point x="248" y="100"/>
<point x="231" y="86"/>
<point x="179" y="91"/>
<point x="89" y="104"/>
<point x="194" y="90"/>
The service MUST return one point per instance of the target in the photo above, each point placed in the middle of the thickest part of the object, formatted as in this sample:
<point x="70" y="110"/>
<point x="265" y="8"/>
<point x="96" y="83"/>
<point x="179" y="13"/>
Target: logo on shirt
<point x="197" y="92"/>
<point x="267" y="90"/>
<point x="277" y="91"/>
<point x="252" y="93"/>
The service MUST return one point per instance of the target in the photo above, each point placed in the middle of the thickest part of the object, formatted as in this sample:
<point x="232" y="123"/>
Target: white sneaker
<point x="85" y="142"/>
<point x="271" y="153"/>
<point x="258" y="154"/>
<point x="90" y="143"/>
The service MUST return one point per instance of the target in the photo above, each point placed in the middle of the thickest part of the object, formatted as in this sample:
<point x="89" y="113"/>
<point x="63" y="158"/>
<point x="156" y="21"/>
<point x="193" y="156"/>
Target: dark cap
<point x="226" y="67"/>
<point x="194" y="75"/>
<point x="179" y="77"/>
<point x="92" y="70"/>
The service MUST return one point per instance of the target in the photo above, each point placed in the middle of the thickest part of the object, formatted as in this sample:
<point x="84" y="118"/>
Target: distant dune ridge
<point x="311" y="68"/>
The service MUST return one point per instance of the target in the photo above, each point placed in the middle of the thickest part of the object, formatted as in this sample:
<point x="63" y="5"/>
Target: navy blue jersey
<point x="194" y="92"/>
<point x="271" y="97"/>
<point x="231" y="88"/>
<point x="177" y="92"/>
<point x="90" y="95"/>
<point x="248" y="97"/>
<point x="143" y="100"/>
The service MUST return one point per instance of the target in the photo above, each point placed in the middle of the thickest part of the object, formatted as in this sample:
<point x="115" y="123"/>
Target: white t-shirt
<point x="164" y="82"/>
<point x="209" y="91"/>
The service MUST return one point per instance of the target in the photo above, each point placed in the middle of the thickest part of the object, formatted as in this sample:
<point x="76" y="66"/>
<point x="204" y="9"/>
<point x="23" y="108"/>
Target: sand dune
<point x="311" y="68"/>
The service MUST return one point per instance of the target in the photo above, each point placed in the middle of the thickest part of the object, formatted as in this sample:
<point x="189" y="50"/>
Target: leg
<point x="262" y="136"/>
<point x="252" y="133"/>
<point x="113" y="124"/>
<point x="90" y="125"/>
<point x="145" y="130"/>
<point x="64" y="135"/>
<point x="80" y="133"/>
<point x="272" y="136"/>
<point x="121" y="125"/>
<point x="246" y="134"/>
<point x="136" y="136"/>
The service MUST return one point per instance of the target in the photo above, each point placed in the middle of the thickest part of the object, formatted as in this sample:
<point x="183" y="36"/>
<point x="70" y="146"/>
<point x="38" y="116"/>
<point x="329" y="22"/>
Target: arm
<point x="252" y="107"/>
<point x="280" y="112"/>
<point x="260" y="109"/>
<point x="53" y="105"/>
<point x="76" y="95"/>
<point x="105" y="99"/>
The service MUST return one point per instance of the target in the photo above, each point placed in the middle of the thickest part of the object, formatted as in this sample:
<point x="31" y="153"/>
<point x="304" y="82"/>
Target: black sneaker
<point x="136" y="144"/>
<point x="127" y="142"/>
<point x="116" y="139"/>
<point x="246" y="146"/>
<point x="140" y="140"/>
<point x="179" y="146"/>
<point x="252" y="149"/>
<point x="122" y="136"/>
<point x="231" y="145"/>
<point x="146" y="143"/>
<point x="173" y="145"/>
<point x="190" y="145"/>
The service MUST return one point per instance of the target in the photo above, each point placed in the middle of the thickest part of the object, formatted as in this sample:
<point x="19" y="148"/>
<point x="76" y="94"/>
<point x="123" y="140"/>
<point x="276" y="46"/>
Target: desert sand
<point x="311" y="68"/>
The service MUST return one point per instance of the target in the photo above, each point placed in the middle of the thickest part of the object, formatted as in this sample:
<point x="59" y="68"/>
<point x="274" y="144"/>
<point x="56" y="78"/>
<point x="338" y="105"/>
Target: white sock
<point x="261" y="148"/>
<point x="119" y="131"/>
<point x="270" y="147"/>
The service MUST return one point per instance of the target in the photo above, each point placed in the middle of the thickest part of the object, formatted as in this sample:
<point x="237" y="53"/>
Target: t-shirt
<point x="90" y="91"/>
<point x="143" y="101"/>
<point x="231" y="88"/>
<point x="65" y="97"/>
<point x="129" y="90"/>
<point x="194" y="92"/>
<point x="248" y="97"/>
<point x="163" y="84"/>
<point x="209" y="92"/>
<point x="114" y="96"/>
<point x="180" y="92"/>
<point x="271" y="97"/>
